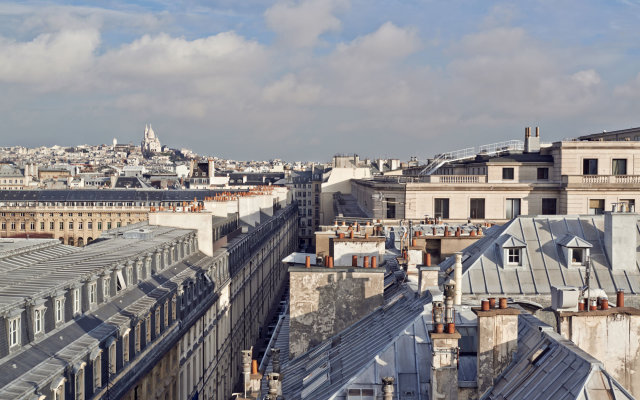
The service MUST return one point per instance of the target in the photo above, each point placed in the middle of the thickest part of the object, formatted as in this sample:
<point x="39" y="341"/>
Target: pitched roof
<point x="483" y="272"/>
<point x="548" y="366"/>
<point x="570" y="240"/>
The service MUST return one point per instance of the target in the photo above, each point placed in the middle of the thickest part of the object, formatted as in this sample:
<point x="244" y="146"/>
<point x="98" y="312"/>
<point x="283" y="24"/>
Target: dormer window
<point x="514" y="256"/>
<point x="38" y="320"/>
<point x="59" y="310"/>
<point x="93" y="293"/>
<point x="75" y="294"/>
<point x="575" y="249"/>
<point x="14" y="331"/>
<point x="512" y="249"/>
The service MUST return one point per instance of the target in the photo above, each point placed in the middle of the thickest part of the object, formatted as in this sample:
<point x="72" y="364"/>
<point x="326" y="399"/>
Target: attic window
<point x="577" y="256"/>
<point x="514" y="256"/>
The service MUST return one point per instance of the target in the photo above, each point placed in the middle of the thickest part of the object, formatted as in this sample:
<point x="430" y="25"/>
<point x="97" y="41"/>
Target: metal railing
<point x="457" y="155"/>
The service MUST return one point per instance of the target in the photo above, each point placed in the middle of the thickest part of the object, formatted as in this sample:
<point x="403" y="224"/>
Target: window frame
<point x="615" y="161"/>
<point x="477" y="215"/>
<point x="508" y="173"/>
<point x="514" y="256"/>
<point x="542" y="173"/>
<point x="14" y="334"/>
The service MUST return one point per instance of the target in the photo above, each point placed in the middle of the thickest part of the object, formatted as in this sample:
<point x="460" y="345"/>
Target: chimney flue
<point x="307" y="262"/>
<point x="387" y="388"/>
<point x="537" y="131"/>
<point x="503" y="303"/>
<point x="620" y="298"/>
<point x="374" y="262"/>
<point x="354" y="260"/>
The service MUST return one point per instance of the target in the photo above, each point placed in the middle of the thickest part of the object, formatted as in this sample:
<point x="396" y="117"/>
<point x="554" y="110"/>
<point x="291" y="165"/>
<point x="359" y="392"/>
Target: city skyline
<point x="306" y="79"/>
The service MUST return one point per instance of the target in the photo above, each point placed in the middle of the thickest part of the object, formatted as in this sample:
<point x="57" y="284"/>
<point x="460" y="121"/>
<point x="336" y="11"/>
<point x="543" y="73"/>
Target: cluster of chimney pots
<point x="600" y="303"/>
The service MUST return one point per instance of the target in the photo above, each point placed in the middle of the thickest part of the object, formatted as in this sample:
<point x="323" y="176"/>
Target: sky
<point x="307" y="79"/>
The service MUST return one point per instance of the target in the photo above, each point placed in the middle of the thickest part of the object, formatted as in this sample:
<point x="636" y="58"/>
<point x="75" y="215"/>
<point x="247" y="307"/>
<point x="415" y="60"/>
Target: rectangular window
<point x="108" y="225"/>
<point x="4" y="225"/>
<point x="41" y="226"/>
<point x="59" y="310"/>
<point x="76" y="301"/>
<point x="99" y="225"/>
<point x="596" y="206"/>
<point x="157" y="318"/>
<point x="441" y="208"/>
<point x="147" y="327"/>
<point x="513" y="256"/>
<point x="549" y="207"/>
<point x="106" y="286"/>
<point x="13" y="226"/>
<point x="513" y="208"/>
<point x="70" y="224"/>
<point x="80" y="225"/>
<point x="125" y="348"/>
<point x="22" y="226"/>
<point x="391" y="208"/>
<point x="166" y="314"/>
<point x="507" y="173"/>
<point x="32" y="226"/>
<point x="590" y="166"/>
<point x="89" y="225"/>
<point x="629" y="204"/>
<point x="38" y="320"/>
<point x="51" y="225"/>
<point x="61" y="225"/>
<point x="543" y="174"/>
<point x="92" y="293"/>
<point x="14" y="332"/>
<point x="476" y="208"/>
<point x="619" y="166"/>
<point x="97" y="372"/>
<point x="138" y="328"/>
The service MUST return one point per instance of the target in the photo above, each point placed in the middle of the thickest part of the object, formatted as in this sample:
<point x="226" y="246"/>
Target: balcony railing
<point x="601" y="179"/>
<point x="456" y="179"/>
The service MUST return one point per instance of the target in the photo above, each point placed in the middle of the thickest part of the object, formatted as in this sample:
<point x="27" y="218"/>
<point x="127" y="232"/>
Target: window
<point x="513" y="208"/>
<point x="590" y="166"/>
<point x="112" y="358"/>
<point x="38" y="320"/>
<point x="549" y="207"/>
<point x="4" y="225"/>
<point x="577" y="256"/>
<point x="97" y="372"/>
<point x="76" y="301"/>
<point x="166" y="314"/>
<point x="14" y="332"/>
<point x="99" y="225"/>
<point x="125" y="347"/>
<point x="391" y="208"/>
<point x="543" y="174"/>
<point x="108" y="225"/>
<point x="70" y="224"/>
<point x="147" y="327"/>
<point x="41" y="226"/>
<point x="596" y="206"/>
<point x="80" y="384"/>
<point x="106" y="286"/>
<point x="13" y="226"/>
<point x="80" y="225"/>
<point x="157" y="318"/>
<point x="59" y="310"/>
<point x="22" y="226"/>
<point x="507" y="173"/>
<point x="129" y="276"/>
<point x="32" y="226"/>
<point x="630" y="203"/>
<point x="61" y="225"/>
<point x="441" y="208"/>
<point x="93" y="287"/>
<point x="513" y="256"/>
<point x="138" y="329"/>
<point x="476" y="209"/>
<point x="619" y="166"/>
<point x="51" y="225"/>
<point x="90" y="225"/>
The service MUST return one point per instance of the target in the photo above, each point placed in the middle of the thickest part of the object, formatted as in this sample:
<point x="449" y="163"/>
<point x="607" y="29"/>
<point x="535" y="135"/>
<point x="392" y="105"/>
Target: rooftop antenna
<point x="588" y="279"/>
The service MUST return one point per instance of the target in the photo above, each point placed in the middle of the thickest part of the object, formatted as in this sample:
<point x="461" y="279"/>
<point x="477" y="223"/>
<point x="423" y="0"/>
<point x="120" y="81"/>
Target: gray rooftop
<point x="544" y="236"/>
<point x="40" y="267"/>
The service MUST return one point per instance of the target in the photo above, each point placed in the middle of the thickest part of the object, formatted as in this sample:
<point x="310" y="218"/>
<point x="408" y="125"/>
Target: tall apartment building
<point x="305" y="187"/>
<point x="566" y="177"/>
<point x="77" y="217"/>
<point x="150" y="312"/>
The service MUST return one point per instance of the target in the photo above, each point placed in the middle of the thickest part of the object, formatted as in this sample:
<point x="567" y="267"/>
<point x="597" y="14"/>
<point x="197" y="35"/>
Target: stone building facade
<point x="181" y="320"/>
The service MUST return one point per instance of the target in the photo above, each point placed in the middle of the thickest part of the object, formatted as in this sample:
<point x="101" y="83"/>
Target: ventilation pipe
<point x="387" y="388"/>
<point x="457" y="277"/>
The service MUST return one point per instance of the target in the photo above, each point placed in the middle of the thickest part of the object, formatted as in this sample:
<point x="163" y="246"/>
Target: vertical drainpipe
<point x="457" y="277"/>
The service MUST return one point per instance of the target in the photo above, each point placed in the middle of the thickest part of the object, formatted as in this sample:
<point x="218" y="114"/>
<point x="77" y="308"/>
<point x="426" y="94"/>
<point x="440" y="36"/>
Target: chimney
<point x="275" y="386"/>
<point x="457" y="277"/>
<point x="246" y="370"/>
<point x="387" y="388"/>
<point x="444" y="352"/>
<point x="325" y="301"/>
<point x="609" y="334"/>
<point x="497" y="342"/>
<point x="531" y="143"/>
<point x="620" y="240"/>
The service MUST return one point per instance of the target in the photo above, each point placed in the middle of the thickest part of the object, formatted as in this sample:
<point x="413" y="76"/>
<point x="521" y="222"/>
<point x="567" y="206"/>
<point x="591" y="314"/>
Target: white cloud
<point x="299" y="24"/>
<point x="50" y="60"/>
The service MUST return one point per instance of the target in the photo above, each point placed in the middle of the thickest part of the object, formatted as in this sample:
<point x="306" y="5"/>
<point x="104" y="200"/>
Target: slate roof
<point x="548" y="366"/>
<point x="104" y="195"/>
<point x="483" y="272"/>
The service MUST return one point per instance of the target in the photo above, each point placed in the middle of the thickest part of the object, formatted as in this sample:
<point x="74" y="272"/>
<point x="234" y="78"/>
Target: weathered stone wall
<point x="324" y="301"/>
<point x="613" y="337"/>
